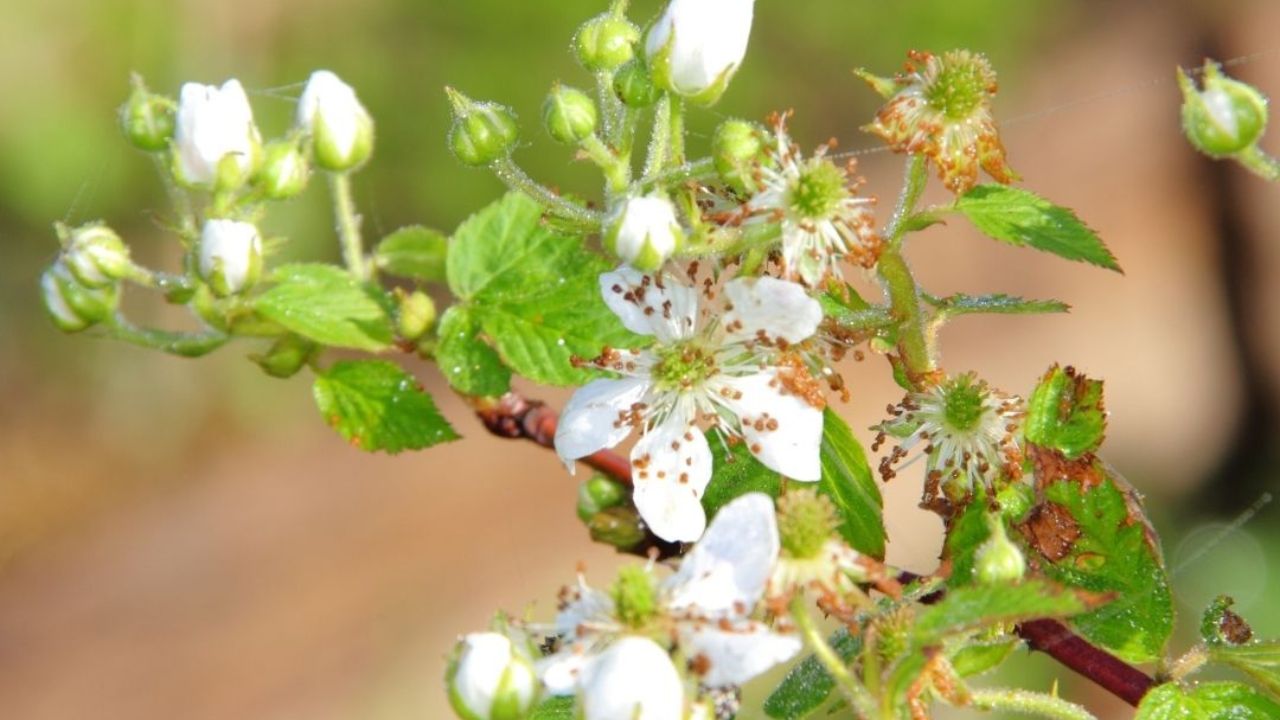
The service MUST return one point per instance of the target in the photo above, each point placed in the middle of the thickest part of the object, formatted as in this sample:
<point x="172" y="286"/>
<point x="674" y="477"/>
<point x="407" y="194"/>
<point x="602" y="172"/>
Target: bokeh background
<point x="187" y="539"/>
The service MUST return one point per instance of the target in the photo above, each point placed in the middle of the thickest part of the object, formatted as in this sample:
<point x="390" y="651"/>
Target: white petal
<point x="560" y="673"/>
<point x="590" y="606"/>
<point x="782" y="430"/>
<point x="726" y="572"/>
<point x="734" y="656"/>
<point x="778" y="308"/>
<point x="658" y="305"/>
<point x="670" y="467"/>
<point x="592" y="420"/>
<point x="633" y="679"/>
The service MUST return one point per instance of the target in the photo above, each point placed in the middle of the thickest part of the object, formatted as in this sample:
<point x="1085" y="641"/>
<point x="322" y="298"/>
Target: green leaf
<point x="1094" y="536"/>
<point x="847" y="479"/>
<point x="1021" y="218"/>
<point x="966" y="533"/>
<point x="555" y="708"/>
<point x="999" y="304"/>
<point x="972" y="658"/>
<point x="535" y="293"/>
<point x="974" y="607"/>
<point x="736" y="472"/>
<point x="1260" y="661"/>
<point x="413" y="252"/>
<point x="465" y="360"/>
<point x="808" y="685"/>
<point x="1208" y="701"/>
<point x="325" y="304"/>
<point x="1066" y="413"/>
<point x="378" y="406"/>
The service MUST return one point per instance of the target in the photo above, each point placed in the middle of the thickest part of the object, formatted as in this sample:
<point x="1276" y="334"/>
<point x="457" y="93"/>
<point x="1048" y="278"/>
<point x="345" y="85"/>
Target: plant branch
<point x="1028" y="703"/>
<point x="516" y="178"/>
<point x="348" y="221"/>
<point x="862" y="701"/>
<point x="1106" y="670"/>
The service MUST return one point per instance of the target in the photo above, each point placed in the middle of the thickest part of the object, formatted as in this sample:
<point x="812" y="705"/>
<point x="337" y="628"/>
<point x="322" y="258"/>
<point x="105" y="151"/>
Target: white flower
<point x="633" y="679"/>
<point x="721" y="372"/>
<point x="644" y="232"/>
<point x="491" y="679"/>
<point x="705" y="607"/>
<point x="813" y="199"/>
<point x="214" y="123"/>
<point x="340" y="127"/>
<point x="230" y="255"/>
<point x="697" y="45"/>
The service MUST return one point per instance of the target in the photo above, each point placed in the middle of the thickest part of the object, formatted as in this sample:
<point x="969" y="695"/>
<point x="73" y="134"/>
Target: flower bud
<point x="605" y="42"/>
<point x="619" y="527"/>
<point x="341" y="129"/>
<point x="738" y="147"/>
<point x="284" y="172"/>
<point x="286" y="356"/>
<point x="95" y="255"/>
<point x="569" y="115"/>
<point x="644" y="232"/>
<point x="216" y="144"/>
<point x="71" y="305"/>
<point x="416" y="316"/>
<point x="482" y="132"/>
<point x="1224" y="118"/>
<point x="633" y="84"/>
<point x="597" y="494"/>
<point x="998" y="561"/>
<point x="491" y="678"/>
<point x="230" y="255"/>
<point x="147" y="119"/>
<point x="697" y="45"/>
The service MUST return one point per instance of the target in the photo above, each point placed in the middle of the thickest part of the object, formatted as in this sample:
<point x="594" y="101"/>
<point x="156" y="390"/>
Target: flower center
<point x="635" y="598"/>
<point x="806" y="521"/>
<point x="960" y="86"/>
<point x="963" y="404"/>
<point x="817" y="191"/>
<point x="684" y="365"/>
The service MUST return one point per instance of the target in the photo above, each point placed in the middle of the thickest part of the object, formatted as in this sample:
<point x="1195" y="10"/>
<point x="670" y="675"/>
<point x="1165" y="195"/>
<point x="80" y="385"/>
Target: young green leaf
<point x="1000" y="304"/>
<point x="1259" y="660"/>
<point x="974" y="607"/>
<point x="1019" y="217"/>
<point x="413" y="252"/>
<point x="736" y="472"/>
<point x="847" y="479"/>
<point x="378" y="406"/>
<point x="325" y="304"/>
<point x="1066" y="413"/>
<point x="1207" y="701"/>
<point x="465" y="360"/>
<point x="554" y="708"/>
<point x="808" y="685"/>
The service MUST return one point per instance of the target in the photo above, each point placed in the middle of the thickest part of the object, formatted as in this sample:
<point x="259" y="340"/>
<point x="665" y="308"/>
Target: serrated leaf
<point x="555" y="708"/>
<point x="470" y="365"/>
<point x="1000" y="304"/>
<point x="413" y="252"/>
<point x="735" y="472"/>
<point x="325" y="304"/>
<point x="974" y="607"/>
<point x="1022" y="218"/>
<point x="1260" y="661"/>
<point x="1066" y="413"/>
<point x="378" y="406"/>
<point x="808" y="685"/>
<point x="1207" y="701"/>
<point x="847" y="479"/>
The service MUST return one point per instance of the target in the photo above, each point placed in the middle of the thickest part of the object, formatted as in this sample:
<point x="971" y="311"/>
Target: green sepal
<point x="555" y="708"/>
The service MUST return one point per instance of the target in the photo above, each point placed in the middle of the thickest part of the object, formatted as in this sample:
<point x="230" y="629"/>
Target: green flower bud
<point x="998" y="560"/>
<point x="416" y="315"/>
<point x="286" y="357"/>
<point x="634" y="85"/>
<point x="95" y="255"/>
<point x="738" y="147"/>
<point x="73" y="306"/>
<point x="284" y="172"/>
<point x="1224" y="118"/>
<point x="597" y="494"/>
<point x="620" y="527"/>
<point x="605" y="42"/>
<point x="146" y="119"/>
<point x="482" y="132"/>
<point x="569" y="115"/>
<point x="491" y="678"/>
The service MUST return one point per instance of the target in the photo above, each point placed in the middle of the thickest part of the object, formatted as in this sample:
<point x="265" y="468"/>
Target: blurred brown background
<point x="187" y="539"/>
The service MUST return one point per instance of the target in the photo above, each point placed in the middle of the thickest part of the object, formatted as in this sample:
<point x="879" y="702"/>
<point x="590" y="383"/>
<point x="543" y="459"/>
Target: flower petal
<point x="658" y="305"/>
<point x="593" y="418"/>
<point x="588" y="606"/>
<point x="782" y="430"/>
<point x="634" y="679"/>
<point x="725" y="574"/>
<point x="671" y="466"/>
<point x="735" y="655"/>
<point x="777" y="308"/>
<point x="560" y="673"/>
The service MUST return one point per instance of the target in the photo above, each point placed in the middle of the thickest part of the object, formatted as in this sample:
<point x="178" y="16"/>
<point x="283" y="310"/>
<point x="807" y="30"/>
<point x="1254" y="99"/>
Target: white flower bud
<point x="697" y="45"/>
<point x="95" y="255"/>
<point x="216" y="142"/>
<point x="644" y="232"/>
<point x="71" y="305"/>
<point x="633" y="679"/>
<point x="491" y="679"/>
<point x="230" y="255"/>
<point x="341" y="129"/>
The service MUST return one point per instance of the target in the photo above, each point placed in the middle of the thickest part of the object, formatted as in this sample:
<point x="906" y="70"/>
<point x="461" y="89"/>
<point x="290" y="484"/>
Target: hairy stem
<point x="174" y="343"/>
<point x="703" y="169"/>
<point x="914" y="347"/>
<point x="348" y="222"/>
<point x="862" y="700"/>
<point x="1260" y="163"/>
<point x="915" y="178"/>
<point x="517" y="179"/>
<point x="1028" y="703"/>
<point x="617" y="174"/>
<point x="660" y="143"/>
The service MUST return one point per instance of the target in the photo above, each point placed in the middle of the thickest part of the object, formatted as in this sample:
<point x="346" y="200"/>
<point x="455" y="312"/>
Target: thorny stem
<point x="517" y="179"/>
<point x="862" y="701"/>
<point x="1028" y="703"/>
<point x="348" y="222"/>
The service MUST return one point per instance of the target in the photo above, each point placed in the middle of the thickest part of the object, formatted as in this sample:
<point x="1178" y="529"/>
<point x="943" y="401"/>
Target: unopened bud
<point x="71" y="305"/>
<point x="95" y="255"/>
<point x="1224" y="118"/>
<point x="697" y="45"/>
<point x="619" y="527"/>
<point x="998" y="561"/>
<point x="738" y="147"/>
<point x="216" y="144"/>
<point x="481" y="132"/>
<point x="569" y="115"/>
<point x="286" y="357"/>
<point x="147" y="119"/>
<point x="230" y="255"/>
<point x="605" y="42"/>
<point x="491" y="678"/>
<point x="633" y="84"/>
<point x="341" y="129"/>
<point x="597" y="494"/>
<point x="644" y="232"/>
<point x="416" y="315"/>
<point x="284" y="172"/>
